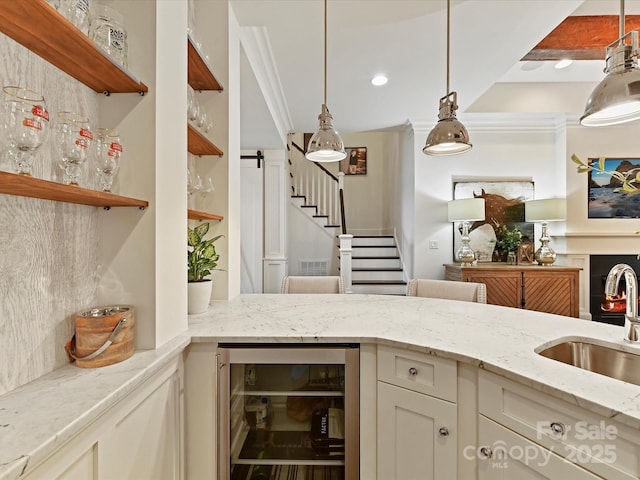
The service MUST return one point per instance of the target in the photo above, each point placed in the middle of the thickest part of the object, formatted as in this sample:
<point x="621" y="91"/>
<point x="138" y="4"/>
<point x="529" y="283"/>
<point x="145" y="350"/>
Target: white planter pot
<point x="198" y="296"/>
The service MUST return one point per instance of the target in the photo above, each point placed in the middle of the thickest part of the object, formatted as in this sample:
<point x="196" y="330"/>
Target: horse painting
<point x="504" y="205"/>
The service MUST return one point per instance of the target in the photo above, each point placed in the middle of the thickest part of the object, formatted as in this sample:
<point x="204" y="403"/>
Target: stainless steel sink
<point x="597" y="358"/>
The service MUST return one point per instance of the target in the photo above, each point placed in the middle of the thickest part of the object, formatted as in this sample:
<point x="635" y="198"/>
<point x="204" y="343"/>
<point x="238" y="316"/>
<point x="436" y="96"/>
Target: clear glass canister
<point x="108" y="32"/>
<point x="77" y="12"/>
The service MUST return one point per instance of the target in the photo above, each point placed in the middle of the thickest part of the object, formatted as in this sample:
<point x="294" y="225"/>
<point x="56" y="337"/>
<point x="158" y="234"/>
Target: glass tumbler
<point x="77" y="12"/>
<point x="107" y="159"/>
<point x="108" y="32"/>
<point x="72" y="139"/>
<point x="25" y="126"/>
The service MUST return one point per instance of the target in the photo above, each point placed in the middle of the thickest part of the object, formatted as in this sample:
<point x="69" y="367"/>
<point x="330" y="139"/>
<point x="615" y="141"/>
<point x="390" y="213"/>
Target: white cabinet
<point x="571" y="434"/>
<point x="505" y="455"/>
<point x="417" y="416"/>
<point x="139" y="437"/>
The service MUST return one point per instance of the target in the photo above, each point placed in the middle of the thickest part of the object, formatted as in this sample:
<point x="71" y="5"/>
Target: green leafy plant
<point x="630" y="180"/>
<point x="201" y="253"/>
<point x="508" y="240"/>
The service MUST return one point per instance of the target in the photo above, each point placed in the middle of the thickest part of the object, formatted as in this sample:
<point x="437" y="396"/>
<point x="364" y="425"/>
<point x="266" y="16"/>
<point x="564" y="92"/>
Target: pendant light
<point x="449" y="136"/>
<point x="616" y="99"/>
<point x="325" y="145"/>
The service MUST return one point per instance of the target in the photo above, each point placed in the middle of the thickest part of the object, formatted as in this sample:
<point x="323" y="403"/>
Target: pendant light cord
<point x="621" y="19"/>
<point x="324" y="101"/>
<point x="448" y="40"/>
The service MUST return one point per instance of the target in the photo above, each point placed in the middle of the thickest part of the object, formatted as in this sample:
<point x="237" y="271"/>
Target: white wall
<point x="368" y="197"/>
<point x="503" y="147"/>
<point x="309" y="241"/>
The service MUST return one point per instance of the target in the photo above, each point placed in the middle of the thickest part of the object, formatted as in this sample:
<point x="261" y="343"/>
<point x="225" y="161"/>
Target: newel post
<point x="345" y="260"/>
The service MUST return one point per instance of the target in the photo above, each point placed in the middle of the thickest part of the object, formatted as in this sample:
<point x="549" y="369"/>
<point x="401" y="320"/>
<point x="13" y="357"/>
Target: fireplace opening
<point x="604" y="308"/>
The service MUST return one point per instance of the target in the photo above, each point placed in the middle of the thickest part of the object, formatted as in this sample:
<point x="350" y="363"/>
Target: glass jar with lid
<point x="107" y="31"/>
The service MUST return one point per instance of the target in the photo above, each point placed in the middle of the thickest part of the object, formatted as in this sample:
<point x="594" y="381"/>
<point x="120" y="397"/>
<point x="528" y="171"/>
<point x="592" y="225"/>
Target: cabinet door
<point x="505" y="455"/>
<point x="290" y="413"/>
<point x="146" y="443"/>
<point x="416" y="435"/>
<point x="503" y="287"/>
<point x="551" y="292"/>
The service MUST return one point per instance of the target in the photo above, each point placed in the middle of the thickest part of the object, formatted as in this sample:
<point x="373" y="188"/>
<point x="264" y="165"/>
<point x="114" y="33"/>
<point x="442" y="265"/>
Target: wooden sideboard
<point x="549" y="289"/>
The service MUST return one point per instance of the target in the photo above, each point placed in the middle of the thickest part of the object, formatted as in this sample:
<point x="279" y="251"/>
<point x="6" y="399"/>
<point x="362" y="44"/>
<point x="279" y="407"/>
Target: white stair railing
<point x="319" y="186"/>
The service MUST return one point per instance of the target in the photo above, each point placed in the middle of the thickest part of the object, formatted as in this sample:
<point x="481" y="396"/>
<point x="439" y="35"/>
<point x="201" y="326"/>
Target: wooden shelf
<point x="24" y="186"/>
<point x="199" y="74"/>
<point x="198" y="144"/>
<point x="196" y="215"/>
<point x="36" y="25"/>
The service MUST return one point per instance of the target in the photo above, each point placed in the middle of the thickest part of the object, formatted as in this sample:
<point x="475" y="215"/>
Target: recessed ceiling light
<point x="563" y="64"/>
<point x="379" y="80"/>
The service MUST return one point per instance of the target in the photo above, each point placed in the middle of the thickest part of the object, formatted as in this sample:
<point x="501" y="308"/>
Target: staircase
<point x="312" y="211"/>
<point x="377" y="268"/>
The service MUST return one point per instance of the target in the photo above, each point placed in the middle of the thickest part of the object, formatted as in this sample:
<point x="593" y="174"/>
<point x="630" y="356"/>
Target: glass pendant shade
<point x="616" y="99"/>
<point x="449" y="136"/>
<point x="325" y="145"/>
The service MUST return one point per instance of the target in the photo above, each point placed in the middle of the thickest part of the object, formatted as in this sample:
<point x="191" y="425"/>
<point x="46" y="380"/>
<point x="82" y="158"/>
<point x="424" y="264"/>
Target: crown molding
<point x="504" y="123"/>
<point x="255" y="41"/>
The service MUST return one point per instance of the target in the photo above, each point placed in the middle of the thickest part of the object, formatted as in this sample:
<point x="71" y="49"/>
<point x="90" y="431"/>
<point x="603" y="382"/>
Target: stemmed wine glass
<point x="107" y="158"/>
<point x="73" y="138"/>
<point x="207" y="187"/>
<point x="25" y="125"/>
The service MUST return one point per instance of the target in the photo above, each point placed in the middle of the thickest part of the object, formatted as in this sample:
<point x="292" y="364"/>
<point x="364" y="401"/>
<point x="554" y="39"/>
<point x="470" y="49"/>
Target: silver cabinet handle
<point x="443" y="431"/>
<point x="413" y="371"/>
<point x="558" y="428"/>
<point x="486" y="452"/>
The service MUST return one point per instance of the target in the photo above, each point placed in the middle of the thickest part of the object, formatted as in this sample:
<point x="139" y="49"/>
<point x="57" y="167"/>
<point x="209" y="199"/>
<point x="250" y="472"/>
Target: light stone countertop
<point x="37" y="418"/>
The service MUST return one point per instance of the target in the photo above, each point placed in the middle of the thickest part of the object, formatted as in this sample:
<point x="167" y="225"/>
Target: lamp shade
<point x="545" y="210"/>
<point x="449" y="136"/>
<point x="325" y="145"/>
<point x="616" y="99"/>
<point x="465" y="209"/>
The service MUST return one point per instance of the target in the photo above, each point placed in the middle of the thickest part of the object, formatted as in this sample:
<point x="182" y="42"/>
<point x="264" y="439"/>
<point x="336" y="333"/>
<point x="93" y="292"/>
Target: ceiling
<point x="406" y="40"/>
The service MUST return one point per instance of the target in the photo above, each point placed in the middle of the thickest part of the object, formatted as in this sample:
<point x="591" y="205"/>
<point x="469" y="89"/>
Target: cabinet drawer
<point x="505" y="455"/>
<point x="418" y="372"/>
<point x="600" y="445"/>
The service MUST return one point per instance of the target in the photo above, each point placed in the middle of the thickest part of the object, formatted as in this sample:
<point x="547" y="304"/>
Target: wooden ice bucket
<point x="104" y="335"/>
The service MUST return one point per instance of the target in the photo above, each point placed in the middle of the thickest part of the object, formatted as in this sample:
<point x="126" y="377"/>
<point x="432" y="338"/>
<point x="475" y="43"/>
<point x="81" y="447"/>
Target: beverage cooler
<point x="289" y="412"/>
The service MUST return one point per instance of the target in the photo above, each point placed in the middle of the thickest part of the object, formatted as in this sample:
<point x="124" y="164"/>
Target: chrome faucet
<point x="631" y="320"/>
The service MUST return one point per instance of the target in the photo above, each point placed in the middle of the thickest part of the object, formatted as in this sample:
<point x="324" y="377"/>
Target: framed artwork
<point x="603" y="199"/>
<point x="504" y="206"/>
<point x="356" y="161"/>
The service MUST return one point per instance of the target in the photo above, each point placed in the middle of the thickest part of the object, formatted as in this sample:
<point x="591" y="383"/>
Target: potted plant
<point x="507" y="241"/>
<point x="201" y="260"/>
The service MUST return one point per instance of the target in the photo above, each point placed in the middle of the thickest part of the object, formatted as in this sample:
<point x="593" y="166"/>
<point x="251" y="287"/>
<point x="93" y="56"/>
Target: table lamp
<point x="544" y="211"/>
<point x="465" y="210"/>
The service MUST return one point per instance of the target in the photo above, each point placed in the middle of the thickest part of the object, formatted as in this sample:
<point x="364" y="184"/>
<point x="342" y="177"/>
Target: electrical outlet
<point x="433" y="244"/>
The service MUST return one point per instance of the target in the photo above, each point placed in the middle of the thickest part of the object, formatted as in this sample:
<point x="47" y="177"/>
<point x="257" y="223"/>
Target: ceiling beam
<point x="582" y="38"/>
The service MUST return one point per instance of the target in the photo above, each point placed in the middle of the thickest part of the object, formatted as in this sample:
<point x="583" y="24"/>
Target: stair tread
<point x="378" y="282"/>
<point x="379" y="269"/>
<point x="373" y="246"/>
<point x="320" y="216"/>
<point x="378" y="256"/>
<point x="373" y="236"/>
<point x="308" y="206"/>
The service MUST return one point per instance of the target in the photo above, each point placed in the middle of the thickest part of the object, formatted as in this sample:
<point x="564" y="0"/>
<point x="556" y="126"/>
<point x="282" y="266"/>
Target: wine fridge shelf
<point x="25" y="186"/>
<point x="36" y="25"/>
